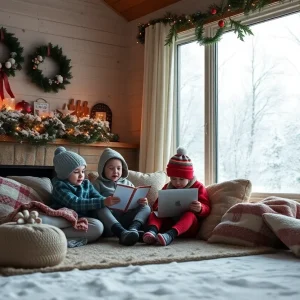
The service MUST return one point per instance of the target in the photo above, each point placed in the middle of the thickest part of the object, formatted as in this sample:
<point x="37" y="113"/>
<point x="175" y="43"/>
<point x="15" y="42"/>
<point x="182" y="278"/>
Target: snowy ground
<point x="268" y="276"/>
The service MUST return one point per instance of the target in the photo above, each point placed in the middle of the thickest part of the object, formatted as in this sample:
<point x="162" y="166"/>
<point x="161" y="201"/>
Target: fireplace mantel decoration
<point x="42" y="130"/>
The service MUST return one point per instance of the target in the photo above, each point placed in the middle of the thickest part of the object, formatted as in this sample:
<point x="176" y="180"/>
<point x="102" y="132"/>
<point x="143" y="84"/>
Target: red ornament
<point x="213" y="11"/>
<point x="23" y="107"/>
<point x="221" y="23"/>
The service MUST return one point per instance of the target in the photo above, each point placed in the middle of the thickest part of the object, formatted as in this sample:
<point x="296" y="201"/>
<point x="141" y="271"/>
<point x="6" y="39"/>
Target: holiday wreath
<point x="13" y="63"/>
<point x="57" y="82"/>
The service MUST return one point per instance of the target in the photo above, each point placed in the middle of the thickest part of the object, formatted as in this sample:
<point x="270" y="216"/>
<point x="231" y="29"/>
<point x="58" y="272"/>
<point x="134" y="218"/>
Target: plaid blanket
<point x="249" y="224"/>
<point x="15" y="197"/>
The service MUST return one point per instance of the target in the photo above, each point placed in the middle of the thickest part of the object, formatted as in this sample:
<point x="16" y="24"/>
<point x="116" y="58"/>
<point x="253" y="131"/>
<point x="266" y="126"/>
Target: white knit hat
<point x="65" y="162"/>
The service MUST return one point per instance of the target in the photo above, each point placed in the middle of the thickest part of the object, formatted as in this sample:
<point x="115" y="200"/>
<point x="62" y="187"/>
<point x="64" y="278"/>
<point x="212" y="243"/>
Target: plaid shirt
<point x="82" y="198"/>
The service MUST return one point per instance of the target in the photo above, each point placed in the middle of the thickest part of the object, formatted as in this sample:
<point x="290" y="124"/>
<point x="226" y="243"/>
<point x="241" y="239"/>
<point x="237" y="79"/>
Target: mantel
<point x="13" y="152"/>
<point x="9" y="139"/>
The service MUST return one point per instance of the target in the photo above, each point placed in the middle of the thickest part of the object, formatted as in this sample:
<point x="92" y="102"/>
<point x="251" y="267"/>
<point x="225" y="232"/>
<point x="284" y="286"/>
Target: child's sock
<point x="117" y="229"/>
<point x="136" y="225"/>
<point x="167" y="238"/>
<point x="126" y="237"/>
<point x="153" y="228"/>
<point x="150" y="237"/>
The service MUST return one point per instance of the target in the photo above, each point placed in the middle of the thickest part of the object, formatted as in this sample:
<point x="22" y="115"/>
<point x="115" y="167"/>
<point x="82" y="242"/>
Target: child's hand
<point x="111" y="200"/>
<point x="195" y="206"/>
<point x="143" y="201"/>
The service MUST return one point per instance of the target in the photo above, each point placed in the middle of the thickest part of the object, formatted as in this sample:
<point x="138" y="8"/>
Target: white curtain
<point x="158" y="135"/>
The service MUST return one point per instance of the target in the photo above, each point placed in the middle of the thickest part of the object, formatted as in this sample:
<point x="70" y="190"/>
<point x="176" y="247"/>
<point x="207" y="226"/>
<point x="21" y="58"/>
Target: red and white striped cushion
<point x="12" y="195"/>
<point x="243" y="223"/>
<point x="287" y="229"/>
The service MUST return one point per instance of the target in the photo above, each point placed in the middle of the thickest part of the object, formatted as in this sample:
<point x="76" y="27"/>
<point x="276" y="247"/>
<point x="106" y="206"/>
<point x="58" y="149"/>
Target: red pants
<point x="187" y="225"/>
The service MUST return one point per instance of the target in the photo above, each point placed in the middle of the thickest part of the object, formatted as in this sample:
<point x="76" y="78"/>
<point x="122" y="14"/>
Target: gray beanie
<point x="65" y="162"/>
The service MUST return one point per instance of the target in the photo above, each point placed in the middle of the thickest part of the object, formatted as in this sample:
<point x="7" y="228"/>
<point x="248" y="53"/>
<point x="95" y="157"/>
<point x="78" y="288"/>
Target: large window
<point x="248" y="93"/>
<point x="191" y="102"/>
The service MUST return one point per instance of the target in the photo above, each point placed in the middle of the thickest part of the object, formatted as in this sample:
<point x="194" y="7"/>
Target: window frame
<point x="273" y="10"/>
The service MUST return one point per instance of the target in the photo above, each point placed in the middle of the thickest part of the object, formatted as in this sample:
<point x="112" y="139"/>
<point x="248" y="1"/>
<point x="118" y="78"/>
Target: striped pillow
<point x="287" y="229"/>
<point x="12" y="195"/>
<point x="243" y="224"/>
<point x="42" y="185"/>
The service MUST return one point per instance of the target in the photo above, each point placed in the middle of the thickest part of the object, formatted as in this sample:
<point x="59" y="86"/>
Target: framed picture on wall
<point x="102" y="112"/>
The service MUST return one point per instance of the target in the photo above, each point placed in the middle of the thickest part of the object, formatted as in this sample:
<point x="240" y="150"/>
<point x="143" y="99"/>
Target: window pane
<point x="191" y="103"/>
<point x="258" y="96"/>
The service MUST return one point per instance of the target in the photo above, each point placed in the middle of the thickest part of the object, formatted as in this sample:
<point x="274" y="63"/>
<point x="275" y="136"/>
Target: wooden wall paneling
<point x="19" y="7"/>
<point x="14" y="20"/>
<point x="82" y="7"/>
<point x="78" y="32"/>
<point x="25" y="9"/>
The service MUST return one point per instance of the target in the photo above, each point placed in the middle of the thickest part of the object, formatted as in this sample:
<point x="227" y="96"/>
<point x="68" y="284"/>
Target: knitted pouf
<point x="31" y="245"/>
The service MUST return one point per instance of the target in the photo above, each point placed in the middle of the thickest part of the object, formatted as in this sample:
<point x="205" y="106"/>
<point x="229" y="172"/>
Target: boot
<point x="136" y="226"/>
<point x="150" y="237"/>
<point x="126" y="237"/>
<point x="167" y="238"/>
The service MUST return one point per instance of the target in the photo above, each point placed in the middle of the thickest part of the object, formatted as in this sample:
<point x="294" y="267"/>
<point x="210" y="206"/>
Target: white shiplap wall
<point x="91" y="35"/>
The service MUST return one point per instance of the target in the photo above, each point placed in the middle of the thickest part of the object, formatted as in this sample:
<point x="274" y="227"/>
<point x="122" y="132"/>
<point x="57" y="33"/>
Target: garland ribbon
<point x="4" y="84"/>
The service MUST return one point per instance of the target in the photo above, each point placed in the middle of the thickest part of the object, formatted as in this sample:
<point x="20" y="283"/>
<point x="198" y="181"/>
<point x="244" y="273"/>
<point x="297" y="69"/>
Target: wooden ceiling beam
<point x="134" y="9"/>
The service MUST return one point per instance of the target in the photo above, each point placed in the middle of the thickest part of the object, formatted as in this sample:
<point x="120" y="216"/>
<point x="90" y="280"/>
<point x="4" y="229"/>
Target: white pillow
<point x="223" y="196"/>
<point x="157" y="180"/>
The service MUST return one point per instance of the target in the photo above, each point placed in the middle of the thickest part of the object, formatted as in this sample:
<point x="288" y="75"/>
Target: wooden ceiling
<point x="134" y="9"/>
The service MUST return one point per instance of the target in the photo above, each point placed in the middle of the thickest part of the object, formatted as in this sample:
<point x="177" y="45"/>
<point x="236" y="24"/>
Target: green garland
<point x="13" y="63"/>
<point x="87" y="131"/>
<point x="57" y="82"/>
<point x="198" y="20"/>
<point x="40" y="131"/>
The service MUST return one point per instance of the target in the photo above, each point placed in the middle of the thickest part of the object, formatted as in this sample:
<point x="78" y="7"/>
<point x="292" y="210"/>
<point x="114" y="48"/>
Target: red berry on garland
<point x="221" y="23"/>
<point x="213" y="11"/>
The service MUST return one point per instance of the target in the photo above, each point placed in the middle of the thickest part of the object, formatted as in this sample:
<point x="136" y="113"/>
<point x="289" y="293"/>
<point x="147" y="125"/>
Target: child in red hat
<point x="181" y="172"/>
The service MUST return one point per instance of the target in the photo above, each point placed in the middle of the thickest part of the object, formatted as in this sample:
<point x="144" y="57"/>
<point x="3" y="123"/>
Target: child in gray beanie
<point x="72" y="190"/>
<point x="127" y="226"/>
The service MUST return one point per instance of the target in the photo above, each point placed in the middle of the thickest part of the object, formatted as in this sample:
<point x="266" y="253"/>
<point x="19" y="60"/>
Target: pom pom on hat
<point x="181" y="151"/>
<point x="65" y="162"/>
<point x="180" y="165"/>
<point x="59" y="150"/>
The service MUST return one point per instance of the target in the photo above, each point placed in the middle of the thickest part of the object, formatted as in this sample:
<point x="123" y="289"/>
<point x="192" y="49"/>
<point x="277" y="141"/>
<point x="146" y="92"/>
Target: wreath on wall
<point x="60" y="80"/>
<point x="13" y="63"/>
<point x="10" y="65"/>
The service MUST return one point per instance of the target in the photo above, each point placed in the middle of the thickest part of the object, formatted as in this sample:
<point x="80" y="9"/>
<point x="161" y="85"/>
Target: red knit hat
<point x="180" y="165"/>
